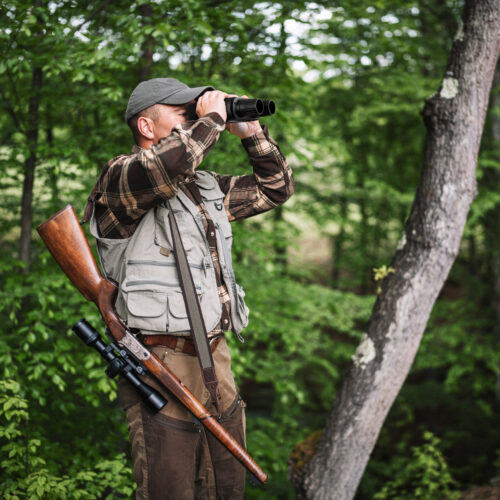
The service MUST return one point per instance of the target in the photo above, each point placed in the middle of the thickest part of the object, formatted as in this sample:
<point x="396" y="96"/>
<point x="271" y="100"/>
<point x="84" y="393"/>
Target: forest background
<point x="349" y="80"/>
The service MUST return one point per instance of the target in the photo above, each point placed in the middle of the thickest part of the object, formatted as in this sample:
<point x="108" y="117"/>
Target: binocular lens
<point x="269" y="108"/>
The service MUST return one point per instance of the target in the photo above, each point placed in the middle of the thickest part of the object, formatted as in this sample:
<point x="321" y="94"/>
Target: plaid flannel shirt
<point x="130" y="185"/>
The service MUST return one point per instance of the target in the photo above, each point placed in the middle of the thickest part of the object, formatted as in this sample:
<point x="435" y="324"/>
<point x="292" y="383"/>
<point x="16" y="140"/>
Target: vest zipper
<point x="155" y="282"/>
<point x="135" y="262"/>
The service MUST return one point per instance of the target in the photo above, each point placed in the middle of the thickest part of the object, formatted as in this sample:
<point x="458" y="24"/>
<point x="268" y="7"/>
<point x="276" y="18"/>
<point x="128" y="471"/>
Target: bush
<point x="26" y="474"/>
<point x="424" y="475"/>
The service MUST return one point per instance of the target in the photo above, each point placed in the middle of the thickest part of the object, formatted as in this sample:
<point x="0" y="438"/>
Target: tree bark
<point x="454" y="118"/>
<point x="29" y="168"/>
<point x="146" y="61"/>
<point x="53" y="175"/>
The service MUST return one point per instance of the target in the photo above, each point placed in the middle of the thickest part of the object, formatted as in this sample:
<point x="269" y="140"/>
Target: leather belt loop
<point x="176" y="342"/>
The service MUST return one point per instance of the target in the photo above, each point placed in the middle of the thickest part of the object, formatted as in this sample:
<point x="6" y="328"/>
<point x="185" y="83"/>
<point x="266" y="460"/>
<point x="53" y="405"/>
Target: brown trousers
<point x="174" y="458"/>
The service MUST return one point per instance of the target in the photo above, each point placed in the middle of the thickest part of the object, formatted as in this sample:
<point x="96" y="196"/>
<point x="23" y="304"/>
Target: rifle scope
<point x="240" y="110"/>
<point x="123" y="364"/>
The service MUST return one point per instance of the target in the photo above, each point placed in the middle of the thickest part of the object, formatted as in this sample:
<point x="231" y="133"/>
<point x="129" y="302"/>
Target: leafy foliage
<point x="27" y="474"/>
<point x="349" y="81"/>
<point x="425" y="475"/>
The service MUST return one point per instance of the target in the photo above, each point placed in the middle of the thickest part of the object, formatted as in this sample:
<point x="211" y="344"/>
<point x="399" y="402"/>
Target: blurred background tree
<point x="349" y="80"/>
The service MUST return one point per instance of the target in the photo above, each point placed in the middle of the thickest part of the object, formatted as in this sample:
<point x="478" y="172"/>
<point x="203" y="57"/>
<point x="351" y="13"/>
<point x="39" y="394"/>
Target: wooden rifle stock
<point x="64" y="237"/>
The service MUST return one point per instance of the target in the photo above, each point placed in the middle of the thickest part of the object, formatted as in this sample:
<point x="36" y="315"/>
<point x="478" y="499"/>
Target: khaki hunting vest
<point x="150" y="295"/>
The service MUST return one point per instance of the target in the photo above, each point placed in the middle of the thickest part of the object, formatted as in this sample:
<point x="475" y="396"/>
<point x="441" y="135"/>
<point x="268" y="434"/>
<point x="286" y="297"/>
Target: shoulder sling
<point x="193" y="308"/>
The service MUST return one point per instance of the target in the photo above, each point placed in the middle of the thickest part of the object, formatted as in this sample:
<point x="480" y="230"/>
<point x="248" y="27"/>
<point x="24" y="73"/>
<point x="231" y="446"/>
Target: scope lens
<point x="86" y="332"/>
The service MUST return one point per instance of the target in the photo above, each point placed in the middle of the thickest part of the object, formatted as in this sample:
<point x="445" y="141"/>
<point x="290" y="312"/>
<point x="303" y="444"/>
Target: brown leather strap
<point x="172" y="341"/>
<point x="89" y="207"/>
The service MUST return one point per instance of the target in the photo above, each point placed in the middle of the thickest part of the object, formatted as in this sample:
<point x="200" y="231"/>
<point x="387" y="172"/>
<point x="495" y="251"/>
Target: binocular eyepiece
<point x="240" y="110"/>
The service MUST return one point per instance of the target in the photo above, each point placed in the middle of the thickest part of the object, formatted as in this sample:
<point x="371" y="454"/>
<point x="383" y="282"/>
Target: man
<point x="130" y="205"/>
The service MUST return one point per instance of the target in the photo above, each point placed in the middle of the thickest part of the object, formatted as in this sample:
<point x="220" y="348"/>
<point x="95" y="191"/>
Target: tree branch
<point x="90" y="17"/>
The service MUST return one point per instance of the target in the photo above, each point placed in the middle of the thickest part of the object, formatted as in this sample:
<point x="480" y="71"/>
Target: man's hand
<point x="243" y="129"/>
<point x="212" y="101"/>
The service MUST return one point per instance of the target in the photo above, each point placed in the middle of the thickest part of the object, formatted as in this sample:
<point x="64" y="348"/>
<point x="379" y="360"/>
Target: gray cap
<point x="160" y="91"/>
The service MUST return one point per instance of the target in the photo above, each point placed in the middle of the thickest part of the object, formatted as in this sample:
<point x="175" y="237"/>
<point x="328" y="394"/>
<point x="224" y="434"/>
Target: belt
<point x="172" y="341"/>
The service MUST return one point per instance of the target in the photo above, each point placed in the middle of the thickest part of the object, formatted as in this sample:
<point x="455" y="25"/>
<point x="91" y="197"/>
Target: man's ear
<point x="145" y="127"/>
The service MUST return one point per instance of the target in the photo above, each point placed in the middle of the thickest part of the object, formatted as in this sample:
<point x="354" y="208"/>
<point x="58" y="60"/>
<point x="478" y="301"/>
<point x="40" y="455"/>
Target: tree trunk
<point x="29" y="168"/>
<point x="280" y="257"/>
<point x="493" y="222"/>
<point x="454" y="118"/>
<point x="338" y="244"/>
<point x="146" y="61"/>
<point x="53" y="175"/>
<point x="364" y="277"/>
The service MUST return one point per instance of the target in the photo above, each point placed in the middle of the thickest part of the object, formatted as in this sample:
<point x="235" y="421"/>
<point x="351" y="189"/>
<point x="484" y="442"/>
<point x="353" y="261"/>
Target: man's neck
<point x="145" y="144"/>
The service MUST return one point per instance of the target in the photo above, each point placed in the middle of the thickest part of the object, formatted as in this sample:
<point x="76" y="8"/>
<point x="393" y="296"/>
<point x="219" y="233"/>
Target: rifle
<point x="64" y="237"/>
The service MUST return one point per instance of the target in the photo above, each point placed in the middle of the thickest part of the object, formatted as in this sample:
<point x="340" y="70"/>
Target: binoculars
<point x="240" y="110"/>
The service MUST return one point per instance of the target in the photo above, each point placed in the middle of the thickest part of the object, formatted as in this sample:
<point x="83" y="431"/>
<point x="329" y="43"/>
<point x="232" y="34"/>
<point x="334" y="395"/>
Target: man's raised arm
<point x="270" y="185"/>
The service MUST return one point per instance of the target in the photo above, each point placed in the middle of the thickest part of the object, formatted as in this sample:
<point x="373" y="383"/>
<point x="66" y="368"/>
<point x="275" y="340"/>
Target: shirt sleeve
<point x="270" y="185"/>
<point x="130" y="185"/>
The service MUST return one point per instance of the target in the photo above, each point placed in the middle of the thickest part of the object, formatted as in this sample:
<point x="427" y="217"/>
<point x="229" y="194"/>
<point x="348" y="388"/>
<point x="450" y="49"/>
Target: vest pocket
<point x="146" y="288"/>
<point x="147" y="310"/>
<point x="219" y="216"/>
<point x="214" y="201"/>
<point x="177" y="314"/>
<point x="163" y="233"/>
<point x="152" y="275"/>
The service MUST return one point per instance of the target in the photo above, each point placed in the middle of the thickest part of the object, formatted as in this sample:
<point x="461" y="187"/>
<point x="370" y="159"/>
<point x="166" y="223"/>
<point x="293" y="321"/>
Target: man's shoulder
<point x="206" y="177"/>
<point x="207" y="180"/>
<point x="208" y="174"/>
<point x="119" y="160"/>
<point x="122" y="158"/>
<point x="115" y="162"/>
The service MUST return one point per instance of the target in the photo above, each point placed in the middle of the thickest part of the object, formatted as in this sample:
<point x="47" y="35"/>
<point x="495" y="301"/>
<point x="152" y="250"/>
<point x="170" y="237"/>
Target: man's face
<point x="169" y="117"/>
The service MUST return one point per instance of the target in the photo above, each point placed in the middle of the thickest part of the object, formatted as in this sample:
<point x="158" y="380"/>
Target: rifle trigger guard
<point x="134" y="346"/>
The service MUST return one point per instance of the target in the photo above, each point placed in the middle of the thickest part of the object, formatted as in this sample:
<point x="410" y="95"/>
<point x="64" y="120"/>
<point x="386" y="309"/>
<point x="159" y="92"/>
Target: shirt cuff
<point x="259" y="144"/>
<point x="217" y="120"/>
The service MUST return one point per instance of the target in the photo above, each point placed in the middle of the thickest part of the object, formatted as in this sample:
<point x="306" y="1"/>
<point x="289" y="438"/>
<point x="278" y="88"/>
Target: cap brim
<point x="184" y="95"/>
